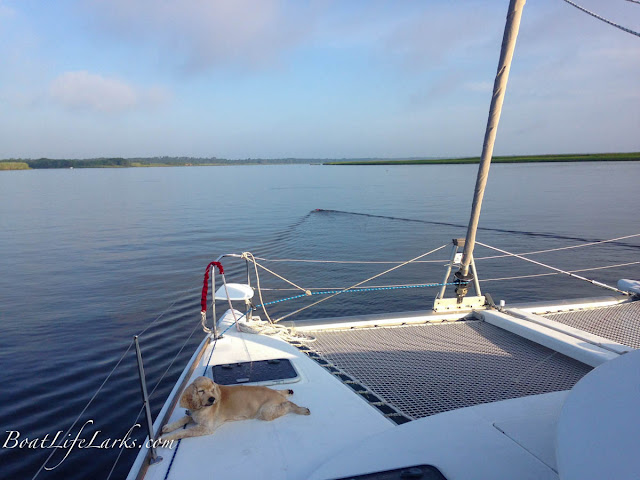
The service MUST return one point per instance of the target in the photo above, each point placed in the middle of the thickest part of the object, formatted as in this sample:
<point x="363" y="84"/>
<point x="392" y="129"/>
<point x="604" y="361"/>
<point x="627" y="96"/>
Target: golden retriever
<point x="210" y="405"/>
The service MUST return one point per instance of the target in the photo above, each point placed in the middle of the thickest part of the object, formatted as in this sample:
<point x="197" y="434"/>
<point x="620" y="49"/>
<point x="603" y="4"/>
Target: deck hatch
<point x="263" y="372"/>
<point x="422" y="370"/>
<point x="419" y="472"/>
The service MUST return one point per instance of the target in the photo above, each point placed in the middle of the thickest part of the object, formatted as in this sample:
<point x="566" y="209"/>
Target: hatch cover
<point x="264" y="372"/>
<point x="419" y="472"/>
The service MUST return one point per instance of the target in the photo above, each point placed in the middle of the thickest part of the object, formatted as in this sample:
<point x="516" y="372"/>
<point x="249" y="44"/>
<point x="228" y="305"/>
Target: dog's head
<point x="202" y="393"/>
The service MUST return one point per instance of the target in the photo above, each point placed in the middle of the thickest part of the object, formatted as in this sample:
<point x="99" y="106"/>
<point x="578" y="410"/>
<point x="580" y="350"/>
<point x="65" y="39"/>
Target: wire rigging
<point x="417" y="285"/>
<point x="595" y="15"/>
<point x="362" y="282"/>
<point x="84" y="409"/>
<point x="594" y="282"/>
<point x="280" y="330"/>
<point x="395" y="262"/>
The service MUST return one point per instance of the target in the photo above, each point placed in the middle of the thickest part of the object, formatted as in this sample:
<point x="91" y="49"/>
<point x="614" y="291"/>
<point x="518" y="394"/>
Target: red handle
<point x="205" y="284"/>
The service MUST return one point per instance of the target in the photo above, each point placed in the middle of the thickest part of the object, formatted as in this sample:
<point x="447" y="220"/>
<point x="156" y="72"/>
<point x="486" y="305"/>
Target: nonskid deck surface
<point x="405" y="372"/>
<point x="620" y="323"/>
<point x="423" y="370"/>
<point x="289" y="447"/>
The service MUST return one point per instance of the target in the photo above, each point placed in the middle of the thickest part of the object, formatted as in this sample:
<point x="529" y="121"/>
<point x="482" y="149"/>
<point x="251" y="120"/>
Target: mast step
<point x="452" y="305"/>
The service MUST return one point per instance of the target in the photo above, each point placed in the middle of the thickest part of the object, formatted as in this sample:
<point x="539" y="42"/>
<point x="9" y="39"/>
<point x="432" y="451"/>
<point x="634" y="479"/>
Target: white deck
<point x="290" y="447"/>
<point x="345" y="436"/>
<point x="466" y="444"/>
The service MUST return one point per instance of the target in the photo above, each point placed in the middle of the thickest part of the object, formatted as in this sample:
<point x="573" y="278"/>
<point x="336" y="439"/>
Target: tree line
<point x="41" y="163"/>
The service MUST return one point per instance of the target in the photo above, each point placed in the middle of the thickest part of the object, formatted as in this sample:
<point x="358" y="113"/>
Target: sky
<point x="311" y="78"/>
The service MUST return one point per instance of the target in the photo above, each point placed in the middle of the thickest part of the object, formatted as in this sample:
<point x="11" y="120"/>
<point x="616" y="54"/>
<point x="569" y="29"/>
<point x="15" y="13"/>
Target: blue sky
<point x="311" y="79"/>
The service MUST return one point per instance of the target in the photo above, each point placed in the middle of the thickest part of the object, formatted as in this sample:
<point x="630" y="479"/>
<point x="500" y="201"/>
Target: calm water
<point x="92" y="257"/>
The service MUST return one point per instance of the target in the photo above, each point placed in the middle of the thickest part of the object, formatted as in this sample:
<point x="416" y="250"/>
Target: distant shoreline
<point x="592" y="157"/>
<point x="46" y="163"/>
<point x="50" y="163"/>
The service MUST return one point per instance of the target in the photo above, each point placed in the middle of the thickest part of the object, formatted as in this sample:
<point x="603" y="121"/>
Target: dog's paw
<point x="306" y="411"/>
<point x="164" y="441"/>
<point x="165" y="429"/>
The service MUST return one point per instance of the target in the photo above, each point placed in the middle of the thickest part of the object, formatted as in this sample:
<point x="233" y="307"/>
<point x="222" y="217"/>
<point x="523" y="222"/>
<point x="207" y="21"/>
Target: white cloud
<point x="6" y="12"/>
<point x="446" y="34"/>
<point x="483" y="87"/>
<point x="81" y="90"/>
<point x="154" y="96"/>
<point x="203" y="34"/>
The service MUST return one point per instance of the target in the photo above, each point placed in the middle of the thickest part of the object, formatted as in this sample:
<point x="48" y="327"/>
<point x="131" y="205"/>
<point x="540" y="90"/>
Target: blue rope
<point x="356" y="290"/>
<point x="173" y="457"/>
<point x="215" y="342"/>
<point x="328" y="292"/>
<point x="240" y="318"/>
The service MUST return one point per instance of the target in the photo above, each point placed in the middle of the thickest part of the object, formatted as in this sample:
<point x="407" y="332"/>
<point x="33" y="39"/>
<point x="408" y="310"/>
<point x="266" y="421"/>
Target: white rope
<point x="483" y="280"/>
<point x="595" y="15"/>
<point x="355" y="262"/>
<point x="265" y="328"/>
<point x="407" y="285"/>
<point x="115" y="463"/>
<point x="396" y="262"/>
<point x="203" y="322"/>
<point x="360" y="283"/>
<point x="253" y="259"/>
<point x="184" y="292"/>
<point x="226" y="292"/>
<point x="599" y="284"/>
<point x="549" y="274"/>
<point x="173" y="361"/>
<point x="84" y="410"/>
<point x="564" y="248"/>
<point x="249" y="256"/>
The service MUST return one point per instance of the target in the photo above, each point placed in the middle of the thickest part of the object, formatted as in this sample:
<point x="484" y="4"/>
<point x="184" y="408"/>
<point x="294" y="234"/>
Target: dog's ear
<point x="189" y="399"/>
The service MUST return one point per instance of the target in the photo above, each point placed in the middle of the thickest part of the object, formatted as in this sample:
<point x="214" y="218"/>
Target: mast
<point x="499" y="87"/>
